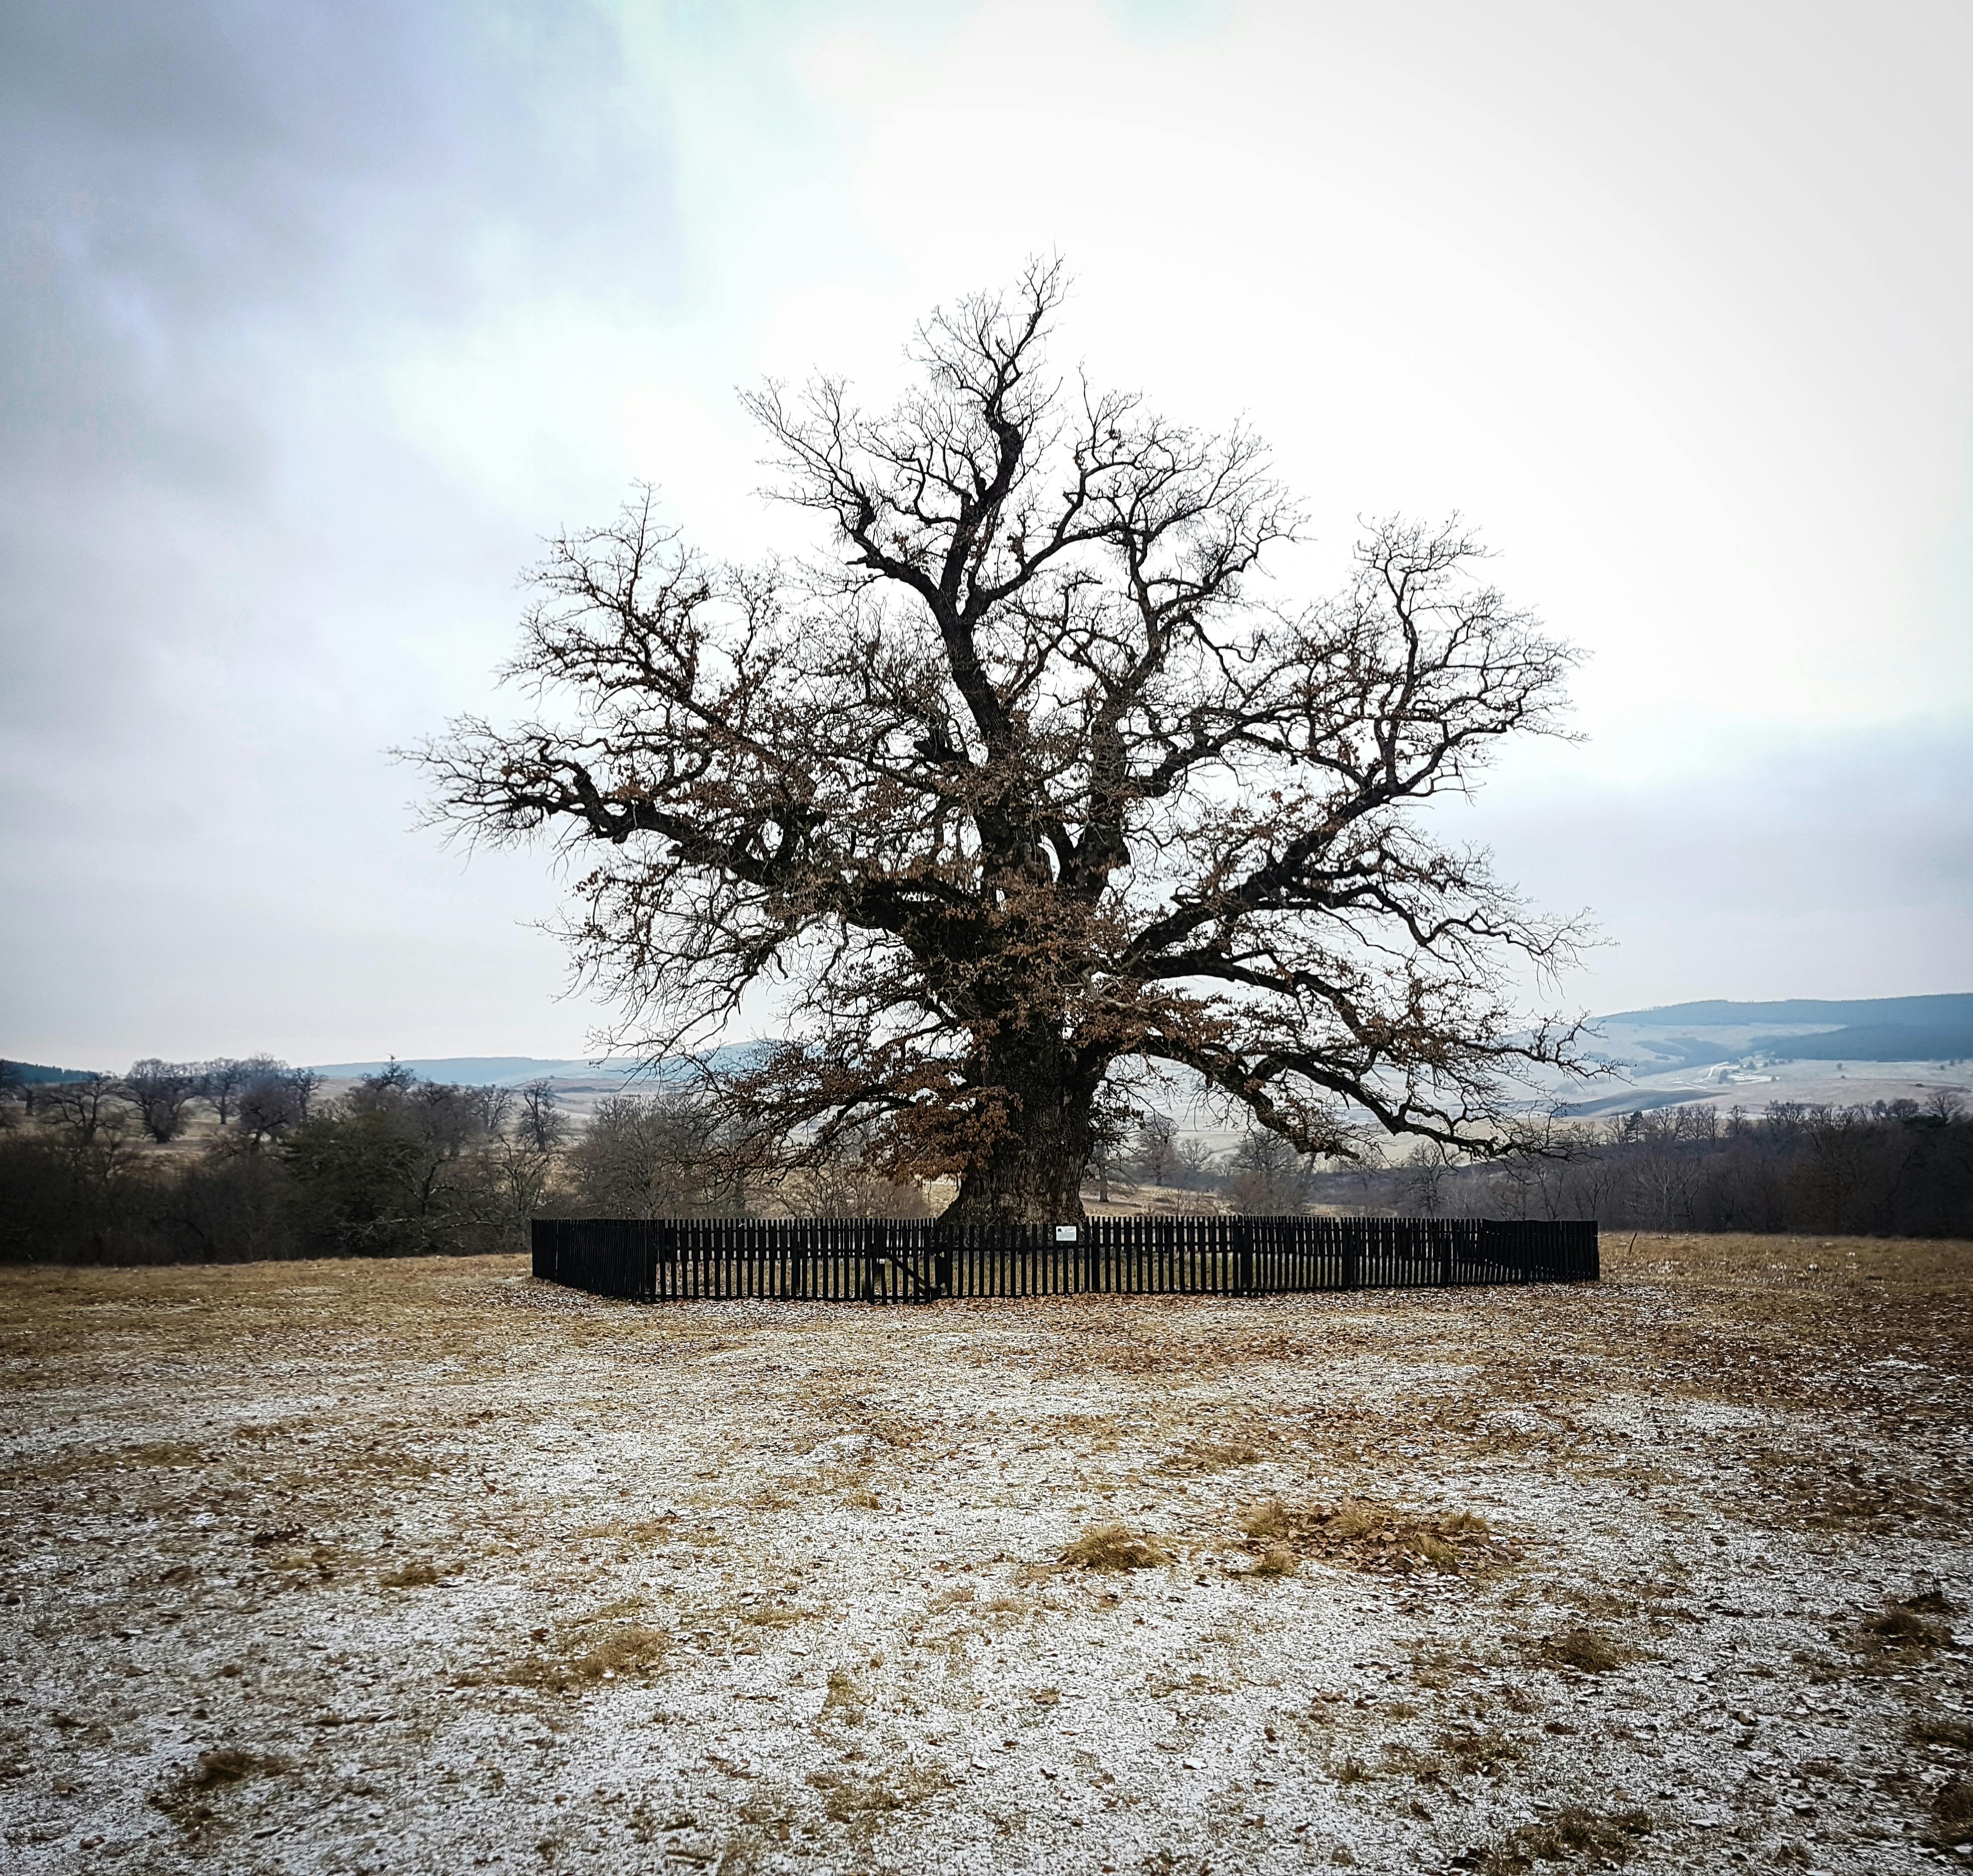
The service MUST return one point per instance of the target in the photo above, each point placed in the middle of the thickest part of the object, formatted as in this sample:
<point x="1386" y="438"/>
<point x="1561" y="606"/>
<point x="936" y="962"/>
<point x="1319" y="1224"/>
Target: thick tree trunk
<point x="1033" y="1173"/>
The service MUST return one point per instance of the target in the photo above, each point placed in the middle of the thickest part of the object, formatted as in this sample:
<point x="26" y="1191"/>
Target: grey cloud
<point x="206" y="207"/>
<point x="225" y="566"/>
<point x="229" y="577"/>
<point x="1771" y="864"/>
<point x="181" y="178"/>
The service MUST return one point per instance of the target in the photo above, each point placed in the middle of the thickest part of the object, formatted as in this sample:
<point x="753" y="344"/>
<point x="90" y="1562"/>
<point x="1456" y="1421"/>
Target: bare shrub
<point x="846" y="1183"/>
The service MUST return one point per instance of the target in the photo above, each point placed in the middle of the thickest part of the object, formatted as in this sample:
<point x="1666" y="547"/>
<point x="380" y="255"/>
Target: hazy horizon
<point x="320" y="318"/>
<point x="486" y="1065"/>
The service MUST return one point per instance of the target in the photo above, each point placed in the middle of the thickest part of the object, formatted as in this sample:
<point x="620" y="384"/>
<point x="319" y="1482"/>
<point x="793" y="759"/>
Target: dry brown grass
<point x="1206" y="1456"/>
<point x="1114" y="1547"/>
<point x="1583" y="1649"/>
<point x="863" y="1800"/>
<point x="698" y="1477"/>
<point x="1951" y="1822"/>
<point x="1277" y="1560"/>
<point x="604" y="1647"/>
<point x="1932" y="1731"/>
<point x="421" y="1573"/>
<point x="1599" y="1840"/>
<point x="1481" y="1749"/>
<point x="846" y="1698"/>
<point x="189" y="1799"/>
<point x="1360" y="1534"/>
<point x="1899" y="1637"/>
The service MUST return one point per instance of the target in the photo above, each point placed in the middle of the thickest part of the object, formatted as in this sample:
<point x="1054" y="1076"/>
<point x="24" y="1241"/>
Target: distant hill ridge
<point x="1864" y="1029"/>
<point x="1872" y="1029"/>
<point x="484" y="1070"/>
<point x="1805" y="1012"/>
<point x="39" y="1072"/>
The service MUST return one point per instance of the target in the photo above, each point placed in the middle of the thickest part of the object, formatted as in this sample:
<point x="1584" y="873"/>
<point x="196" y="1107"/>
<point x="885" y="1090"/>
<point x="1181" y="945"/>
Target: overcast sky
<point x="315" y="319"/>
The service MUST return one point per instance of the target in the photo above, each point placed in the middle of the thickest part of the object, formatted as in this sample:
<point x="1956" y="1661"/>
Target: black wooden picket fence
<point x="919" y="1260"/>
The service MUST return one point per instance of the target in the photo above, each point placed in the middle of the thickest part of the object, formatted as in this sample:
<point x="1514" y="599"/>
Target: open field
<point x="423" y="1567"/>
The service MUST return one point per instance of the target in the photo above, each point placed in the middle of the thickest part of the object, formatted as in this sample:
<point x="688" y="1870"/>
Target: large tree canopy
<point x="1021" y="784"/>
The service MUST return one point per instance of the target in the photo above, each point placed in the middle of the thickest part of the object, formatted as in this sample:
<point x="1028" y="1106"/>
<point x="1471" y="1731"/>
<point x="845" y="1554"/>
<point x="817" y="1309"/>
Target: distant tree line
<point x="1900" y="1169"/>
<point x="1892" y="1169"/>
<point x="99" y="1168"/>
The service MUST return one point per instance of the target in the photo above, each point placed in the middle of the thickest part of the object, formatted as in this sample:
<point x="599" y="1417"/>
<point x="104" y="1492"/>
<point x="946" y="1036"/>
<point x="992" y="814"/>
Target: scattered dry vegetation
<point x="1358" y="1534"/>
<point x="1598" y="1840"/>
<point x="191" y="1800"/>
<point x="420" y="1573"/>
<point x="607" y="1644"/>
<point x="1905" y="1633"/>
<point x="415" y="1565"/>
<point x="1583" y="1649"/>
<point x="1951" y="1823"/>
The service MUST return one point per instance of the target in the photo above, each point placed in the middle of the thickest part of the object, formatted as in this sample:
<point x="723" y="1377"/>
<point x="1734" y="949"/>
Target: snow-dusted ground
<point x="425" y="1567"/>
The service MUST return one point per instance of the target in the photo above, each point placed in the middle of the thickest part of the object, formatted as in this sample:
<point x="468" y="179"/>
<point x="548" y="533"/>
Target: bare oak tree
<point x="161" y="1092"/>
<point x="83" y="1110"/>
<point x="1155" y="1159"/>
<point x="540" y="1125"/>
<point x="220" y="1081"/>
<point x="272" y="1099"/>
<point x="1023" y="784"/>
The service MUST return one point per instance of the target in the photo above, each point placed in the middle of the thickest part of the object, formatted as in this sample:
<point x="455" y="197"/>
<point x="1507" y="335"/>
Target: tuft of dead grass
<point x="421" y="1573"/>
<point x="592" y="1653"/>
<point x="1209" y="1455"/>
<point x="1957" y="1734"/>
<point x="1602" y="1840"/>
<point x="1487" y="1749"/>
<point x="188" y="1799"/>
<point x="1583" y="1650"/>
<point x="1933" y="1602"/>
<point x="1950" y="1822"/>
<point x="1360" y="1534"/>
<point x="1114" y="1547"/>
<point x="1898" y="1637"/>
<point x="863" y="1801"/>
<point x="845" y="1698"/>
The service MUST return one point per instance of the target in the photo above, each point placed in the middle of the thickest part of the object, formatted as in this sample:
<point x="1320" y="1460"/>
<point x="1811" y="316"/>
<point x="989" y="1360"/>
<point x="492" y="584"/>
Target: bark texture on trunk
<point x="1033" y="1173"/>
